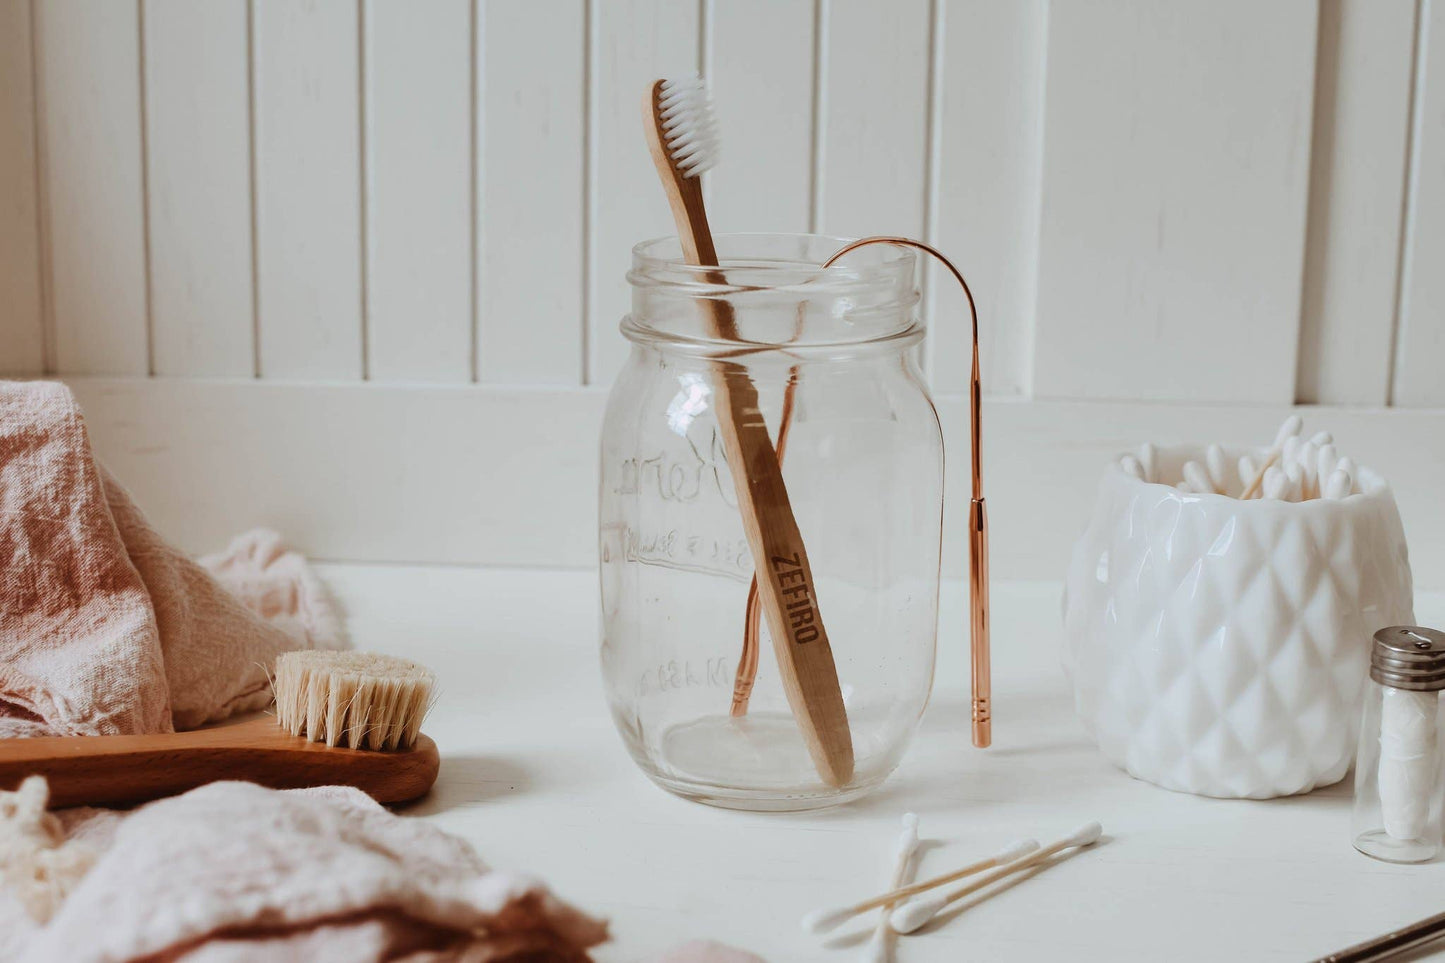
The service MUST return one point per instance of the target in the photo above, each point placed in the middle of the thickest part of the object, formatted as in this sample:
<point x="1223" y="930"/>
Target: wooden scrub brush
<point x="343" y="718"/>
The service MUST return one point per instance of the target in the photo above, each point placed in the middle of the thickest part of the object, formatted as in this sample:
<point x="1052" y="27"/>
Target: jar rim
<point x="874" y="288"/>
<point x="662" y="256"/>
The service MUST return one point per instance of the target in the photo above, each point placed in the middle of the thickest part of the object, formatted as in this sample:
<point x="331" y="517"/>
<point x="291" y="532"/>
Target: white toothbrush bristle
<point x="689" y="125"/>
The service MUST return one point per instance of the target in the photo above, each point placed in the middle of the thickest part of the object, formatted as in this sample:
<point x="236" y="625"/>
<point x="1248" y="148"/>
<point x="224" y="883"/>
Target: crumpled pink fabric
<point x="104" y="628"/>
<point x="233" y="872"/>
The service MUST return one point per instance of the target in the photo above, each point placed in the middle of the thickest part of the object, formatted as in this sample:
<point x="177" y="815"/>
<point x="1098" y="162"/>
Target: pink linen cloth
<point x="104" y="628"/>
<point x="232" y="872"/>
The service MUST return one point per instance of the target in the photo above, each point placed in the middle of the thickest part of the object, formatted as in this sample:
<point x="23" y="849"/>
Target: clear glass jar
<point x="863" y="466"/>
<point x="1399" y="779"/>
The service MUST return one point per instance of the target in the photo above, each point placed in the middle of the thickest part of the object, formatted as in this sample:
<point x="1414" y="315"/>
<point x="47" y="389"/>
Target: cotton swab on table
<point x="821" y="921"/>
<point x="915" y="913"/>
<point x="903" y="852"/>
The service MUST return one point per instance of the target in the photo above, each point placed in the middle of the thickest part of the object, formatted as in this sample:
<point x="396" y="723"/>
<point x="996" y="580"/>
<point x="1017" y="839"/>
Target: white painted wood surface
<point x="308" y="188"/>
<point x="534" y="775"/>
<point x="198" y="151"/>
<point x="22" y="327"/>
<point x="88" y="60"/>
<point x="636" y="42"/>
<point x="1357" y="194"/>
<point x="874" y="116"/>
<point x="1176" y="154"/>
<point x="532" y="75"/>
<point x="493" y="476"/>
<point x="418" y="189"/>
<point x="987" y="214"/>
<point x="1421" y="340"/>
<point x="395" y="241"/>
<point x="764" y="181"/>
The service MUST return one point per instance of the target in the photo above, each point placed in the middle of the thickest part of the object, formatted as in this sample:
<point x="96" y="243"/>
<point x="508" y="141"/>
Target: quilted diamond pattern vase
<point x="1218" y="646"/>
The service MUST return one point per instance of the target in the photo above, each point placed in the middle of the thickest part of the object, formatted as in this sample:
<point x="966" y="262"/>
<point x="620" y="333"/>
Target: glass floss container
<point x="1398" y="776"/>
<point x="688" y="665"/>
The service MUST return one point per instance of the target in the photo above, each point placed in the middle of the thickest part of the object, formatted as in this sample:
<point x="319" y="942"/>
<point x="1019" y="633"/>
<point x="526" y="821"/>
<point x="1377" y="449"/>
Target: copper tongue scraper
<point x="977" y="525"/>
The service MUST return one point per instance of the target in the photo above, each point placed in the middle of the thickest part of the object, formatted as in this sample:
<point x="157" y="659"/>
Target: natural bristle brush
<point x="327" y="703"/>
<point x="682" y="136"/>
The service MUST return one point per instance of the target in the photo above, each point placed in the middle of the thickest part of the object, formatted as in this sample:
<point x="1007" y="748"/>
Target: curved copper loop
<point x="978" y="522"/>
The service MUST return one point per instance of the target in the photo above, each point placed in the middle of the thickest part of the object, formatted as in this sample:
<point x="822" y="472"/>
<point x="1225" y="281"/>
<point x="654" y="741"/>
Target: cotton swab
<point x="1338" y="485"/>
<point x="1247" y="470"/>
<point x="821" y="921"/>
<point x="1347" y="464"/>
<point x="903" y="851"/>
<point x="1308" y="459"/>
<point x="1197" y="478"/>
<point x="1149" y="461"/>
<point x="911" y="915"/>
<point x="1218" y="473"/>
<point x="1276" y="483"/>
<point x="1131" y="465"/>
<point x="1290" y="428"/>
<point x="1326" y="460"/>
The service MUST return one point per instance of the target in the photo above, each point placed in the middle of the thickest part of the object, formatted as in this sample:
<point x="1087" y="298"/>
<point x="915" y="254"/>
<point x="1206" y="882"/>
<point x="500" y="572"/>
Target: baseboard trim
<point x="507" y="476"/>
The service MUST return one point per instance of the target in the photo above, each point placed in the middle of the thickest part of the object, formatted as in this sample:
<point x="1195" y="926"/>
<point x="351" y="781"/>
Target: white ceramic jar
<point x="1218" y="646"/>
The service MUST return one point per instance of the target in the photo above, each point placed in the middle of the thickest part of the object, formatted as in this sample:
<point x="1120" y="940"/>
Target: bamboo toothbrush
<point x="343" y="718"/>
<point x="683" y="139"/>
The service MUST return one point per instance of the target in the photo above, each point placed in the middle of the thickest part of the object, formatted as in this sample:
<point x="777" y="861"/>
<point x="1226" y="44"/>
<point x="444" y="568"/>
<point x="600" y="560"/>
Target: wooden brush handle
<point x="785" y="579"/>
<point x="122" y="770"/>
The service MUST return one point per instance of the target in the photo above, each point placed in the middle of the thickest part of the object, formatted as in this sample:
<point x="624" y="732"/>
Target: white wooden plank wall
<point x="1421" y="341"/>
<point x="1155" y="201"/>
<point x="88" y="55"/>
<point x="1363" y="80"/>
<point x="198" y="171"/>
<point x="532" y="107"/>
<point x="306" y="71"/>
<point x="22" y="329"/>
<point x="418" y="101"/>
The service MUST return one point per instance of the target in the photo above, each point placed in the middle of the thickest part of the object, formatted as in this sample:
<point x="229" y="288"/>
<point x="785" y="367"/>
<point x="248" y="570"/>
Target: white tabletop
<point x="534" y="775"/>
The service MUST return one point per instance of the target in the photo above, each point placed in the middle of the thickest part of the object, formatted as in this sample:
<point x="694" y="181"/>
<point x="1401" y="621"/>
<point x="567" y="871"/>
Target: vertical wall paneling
<point x="531" y="105"/>
<point x="1176" y="160"/>
<point x="90" y="95"/>
<point x="987" y="216"/>
<point x="198" y="152"/>
<point x="418" y="189"/>
<point x="875" y="117"/>
<point x="637" y="41"/>
<point x="305" y="65"/>
<point x="762" y="86"/>
<point x="1420" y="357"/>
<point x="1357" y="187"/>
<point x="21" y="326"/>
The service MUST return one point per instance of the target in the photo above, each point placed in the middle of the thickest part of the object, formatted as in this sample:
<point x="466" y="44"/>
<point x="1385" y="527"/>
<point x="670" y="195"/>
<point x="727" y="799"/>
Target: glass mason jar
<point x="863" y="467"/>
<point x="1399" y="780"/>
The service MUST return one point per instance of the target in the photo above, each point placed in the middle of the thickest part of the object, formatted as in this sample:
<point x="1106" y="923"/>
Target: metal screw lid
<point x="1409" y="657"/>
